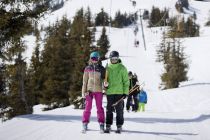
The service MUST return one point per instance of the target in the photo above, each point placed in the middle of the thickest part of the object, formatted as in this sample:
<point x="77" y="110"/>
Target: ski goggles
<point x="94" y="58"/>
<point x="114" y="58"/>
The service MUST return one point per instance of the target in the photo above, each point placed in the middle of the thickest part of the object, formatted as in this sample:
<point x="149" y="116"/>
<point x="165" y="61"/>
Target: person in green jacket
<point x="117" y="87"/>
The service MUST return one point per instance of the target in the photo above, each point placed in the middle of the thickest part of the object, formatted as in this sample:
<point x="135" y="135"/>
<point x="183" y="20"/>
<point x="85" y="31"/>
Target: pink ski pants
<point x="88" y="106"/>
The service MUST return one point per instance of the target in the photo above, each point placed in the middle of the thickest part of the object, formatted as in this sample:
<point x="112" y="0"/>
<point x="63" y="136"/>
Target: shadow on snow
<point x="70" y="118"/>
<point x="157" y="133"/>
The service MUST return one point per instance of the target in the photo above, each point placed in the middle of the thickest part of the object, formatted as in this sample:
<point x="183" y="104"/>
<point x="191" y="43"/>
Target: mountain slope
<point x="182" y="113"/>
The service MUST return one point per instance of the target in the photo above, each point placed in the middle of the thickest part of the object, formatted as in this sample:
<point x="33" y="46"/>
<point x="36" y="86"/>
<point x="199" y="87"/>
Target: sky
<point x="175" y="114"/>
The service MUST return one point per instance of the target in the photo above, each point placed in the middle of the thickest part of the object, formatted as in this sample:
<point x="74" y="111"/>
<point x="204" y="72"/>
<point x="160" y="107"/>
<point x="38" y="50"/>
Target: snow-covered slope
<point x="182" y="113"/>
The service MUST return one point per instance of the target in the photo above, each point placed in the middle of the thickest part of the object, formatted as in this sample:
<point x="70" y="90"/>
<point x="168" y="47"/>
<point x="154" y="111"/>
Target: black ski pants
<point x="111" y="99"/>
<point x="132" y="97"/>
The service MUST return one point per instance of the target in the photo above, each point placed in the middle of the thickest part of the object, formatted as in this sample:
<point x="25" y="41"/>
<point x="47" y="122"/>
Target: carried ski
<point x="130" y="92"/>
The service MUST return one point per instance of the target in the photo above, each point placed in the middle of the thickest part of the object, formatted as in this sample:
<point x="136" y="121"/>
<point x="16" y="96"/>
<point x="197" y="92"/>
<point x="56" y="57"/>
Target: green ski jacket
<point x="117" y="79"/>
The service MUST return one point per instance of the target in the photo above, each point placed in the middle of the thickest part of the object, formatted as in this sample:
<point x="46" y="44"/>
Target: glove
<point x="86" y="94"/>
<point x="106" y="84"/>
<point x="104" y="92"/>
<point x="124" y="96"/>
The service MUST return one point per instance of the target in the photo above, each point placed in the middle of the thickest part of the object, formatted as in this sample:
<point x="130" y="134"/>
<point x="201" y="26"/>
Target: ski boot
<point x="101" y="127"/>
<point x="108" y="129"/>
<point x="84" y="126"/>
<point x="119" y="129"/>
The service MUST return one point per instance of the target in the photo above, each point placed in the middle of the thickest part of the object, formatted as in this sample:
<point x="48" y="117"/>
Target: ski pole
<point x="133" y="88"/>
<point x="117" y="102"/>
<point x="123" y="98"/>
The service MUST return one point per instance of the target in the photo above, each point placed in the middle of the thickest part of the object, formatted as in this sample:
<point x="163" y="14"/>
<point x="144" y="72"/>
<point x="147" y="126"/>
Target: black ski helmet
<point x="113" y="54"/>
<point x="130" y="73"/>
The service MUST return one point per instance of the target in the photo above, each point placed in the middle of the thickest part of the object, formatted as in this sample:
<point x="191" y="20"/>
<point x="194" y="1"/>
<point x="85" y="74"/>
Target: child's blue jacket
<point x="142" y="97"/>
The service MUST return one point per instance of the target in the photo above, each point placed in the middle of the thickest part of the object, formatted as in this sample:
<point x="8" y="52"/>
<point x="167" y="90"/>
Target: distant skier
<point x="92" y="88"/>
<point x="142" y="96"/>
<point x="117" y="85"/>
<point x="132" y="97"/>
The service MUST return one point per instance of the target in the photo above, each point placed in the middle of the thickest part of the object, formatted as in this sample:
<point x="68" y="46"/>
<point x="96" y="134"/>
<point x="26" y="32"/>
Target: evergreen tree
<point x="103" y="44"/>
<point x="88" y="17"/>
<point x="208" y="22"/>
<point x="102" y="19"/>
<point x="119" y="20"/>
<point x="3" y="99"/>
<point x="57" y="66"/>
<point x="180" y="28"/>
<point x="34" y="82"/>
<point x="123" y="20"/>
<point x="192" y="29"/>
<point x="90" y="25"/>
<point x="172" y="21"/>
<point x="16" y="94"/>
<point x="158" y="17"/>
<point x="164" y="16"/>
<point x="2" y="78"/>
<point x="155" y="17"/>
<point x="163" y="50"/>
<point x="171" y="54"/>
<point x="82" y="41"/>
<point x="189" y="27"/>
<point x="15" y="23"/>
